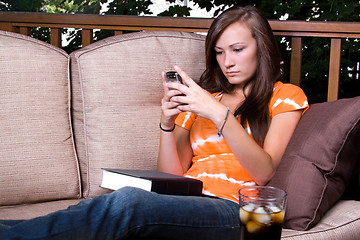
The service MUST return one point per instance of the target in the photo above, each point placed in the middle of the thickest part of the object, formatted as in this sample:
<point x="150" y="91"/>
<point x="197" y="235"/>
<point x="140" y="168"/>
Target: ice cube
<point x="253" y="227"/>
<point x="261" y="215"/>
<point x="245" y="212"/>
<point x="244" y="216"/>
<point x="274" y="208"/>
<point x="261" y="210"/>
<point x="249" y="207"/>
<point x="264" y="219"/>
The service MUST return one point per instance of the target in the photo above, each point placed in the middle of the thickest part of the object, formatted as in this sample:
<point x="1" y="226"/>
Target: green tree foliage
<point x="123" y="7"/>
<point x="315" y="50"/>
<point x="73" y="6"/>
<point x="21" y="5"/>
<point x="128" y="7"/>
<point x="176" y="11"/>
<point x="118" y="7"/>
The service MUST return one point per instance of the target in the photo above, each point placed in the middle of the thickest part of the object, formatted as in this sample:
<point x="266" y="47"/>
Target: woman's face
<point x="236" y="53"/>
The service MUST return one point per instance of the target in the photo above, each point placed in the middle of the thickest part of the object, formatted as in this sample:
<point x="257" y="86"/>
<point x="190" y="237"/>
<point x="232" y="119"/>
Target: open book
<point x="151" y="180"/>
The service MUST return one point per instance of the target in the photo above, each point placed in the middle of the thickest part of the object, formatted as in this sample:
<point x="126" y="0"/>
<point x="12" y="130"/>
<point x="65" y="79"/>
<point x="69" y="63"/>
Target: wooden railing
<point x="23" y="22"/>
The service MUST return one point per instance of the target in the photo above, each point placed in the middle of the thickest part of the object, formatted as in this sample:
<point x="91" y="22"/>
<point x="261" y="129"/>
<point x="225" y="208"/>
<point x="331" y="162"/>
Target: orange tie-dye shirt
<point x="213" y="162"/>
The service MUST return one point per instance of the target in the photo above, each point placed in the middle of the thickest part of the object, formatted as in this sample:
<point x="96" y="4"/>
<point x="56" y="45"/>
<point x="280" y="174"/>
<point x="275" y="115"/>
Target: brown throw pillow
<point x="319" y="161"/>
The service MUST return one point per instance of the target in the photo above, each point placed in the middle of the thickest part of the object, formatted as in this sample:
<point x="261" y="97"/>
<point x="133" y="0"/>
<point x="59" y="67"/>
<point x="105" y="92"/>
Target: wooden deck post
<point x="296" y="58"/>
<point x="87" y="37"/>
<point x="55" y="37"/>
<point x="334" y="69"/>
<point x="25" y="30"/>
<point x="116" y="32"/>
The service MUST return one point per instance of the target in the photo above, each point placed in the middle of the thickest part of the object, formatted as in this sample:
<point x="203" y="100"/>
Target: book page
<point x="115" y="181"/>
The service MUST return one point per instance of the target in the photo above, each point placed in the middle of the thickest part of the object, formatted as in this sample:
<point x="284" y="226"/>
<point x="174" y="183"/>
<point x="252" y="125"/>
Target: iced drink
<point x="261" y="213"/>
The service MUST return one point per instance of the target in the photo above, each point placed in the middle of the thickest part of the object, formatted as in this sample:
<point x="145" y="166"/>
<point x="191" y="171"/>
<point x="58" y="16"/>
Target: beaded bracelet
<point x="166" y="130"/>
<point x="222" y="126"/>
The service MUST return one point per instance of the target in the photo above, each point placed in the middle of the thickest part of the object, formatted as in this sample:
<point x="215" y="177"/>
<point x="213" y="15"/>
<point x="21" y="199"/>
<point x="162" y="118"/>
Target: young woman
<point x="237" y="135"/>
<point x="229" y="131"/>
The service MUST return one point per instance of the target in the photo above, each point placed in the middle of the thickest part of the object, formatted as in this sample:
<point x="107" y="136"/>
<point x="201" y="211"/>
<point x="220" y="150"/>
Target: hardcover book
<point x="151" y="180"/>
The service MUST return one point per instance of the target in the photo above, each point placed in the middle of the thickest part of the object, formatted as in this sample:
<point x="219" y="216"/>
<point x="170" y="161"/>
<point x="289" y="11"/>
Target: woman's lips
<point x="232" y="73"/>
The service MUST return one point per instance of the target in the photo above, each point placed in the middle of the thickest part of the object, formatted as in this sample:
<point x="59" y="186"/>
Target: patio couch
<point x="64" y="117"/>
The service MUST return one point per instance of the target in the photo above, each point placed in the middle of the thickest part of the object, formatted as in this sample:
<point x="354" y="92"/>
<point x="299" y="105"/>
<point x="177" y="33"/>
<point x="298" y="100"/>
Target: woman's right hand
<point x="169" y="110"/>
<point x="169" y="159"/>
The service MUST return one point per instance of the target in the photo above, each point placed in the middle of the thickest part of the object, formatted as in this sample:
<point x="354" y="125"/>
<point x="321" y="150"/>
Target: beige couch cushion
<point x="116" y="98"/>
<point x="28" y="211"/>
<point x="342" y="221"/>
<point x="37" y="155"/>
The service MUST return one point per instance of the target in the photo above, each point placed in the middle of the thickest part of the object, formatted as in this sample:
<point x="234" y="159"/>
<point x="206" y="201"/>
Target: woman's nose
<point x="228" y="61"/>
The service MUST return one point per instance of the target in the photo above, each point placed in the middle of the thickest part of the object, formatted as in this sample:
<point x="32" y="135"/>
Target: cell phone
<point x="173" y="76"/>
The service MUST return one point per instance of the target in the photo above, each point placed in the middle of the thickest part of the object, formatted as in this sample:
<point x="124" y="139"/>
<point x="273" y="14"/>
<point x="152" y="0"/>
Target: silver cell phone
<point x="173" y="76"/>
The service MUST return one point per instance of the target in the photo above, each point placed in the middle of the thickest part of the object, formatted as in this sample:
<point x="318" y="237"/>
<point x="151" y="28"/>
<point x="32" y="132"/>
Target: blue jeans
<point x="131" y="213"/>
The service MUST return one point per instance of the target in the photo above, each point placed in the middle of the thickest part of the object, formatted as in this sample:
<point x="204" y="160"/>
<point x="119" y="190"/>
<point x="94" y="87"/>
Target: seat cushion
<point x="319" y="161"/>
<point x="28" y="211"/>
<point x="37" y="155"/>
<point x="117" y="90"/>
<point x="342" y="221"/>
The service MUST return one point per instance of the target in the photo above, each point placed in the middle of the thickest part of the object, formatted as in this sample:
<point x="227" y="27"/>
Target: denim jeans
<point x="131" y="213"/>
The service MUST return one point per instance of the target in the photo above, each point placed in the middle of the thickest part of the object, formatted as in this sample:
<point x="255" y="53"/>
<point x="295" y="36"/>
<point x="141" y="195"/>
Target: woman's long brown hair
<point x="255" y="107"/>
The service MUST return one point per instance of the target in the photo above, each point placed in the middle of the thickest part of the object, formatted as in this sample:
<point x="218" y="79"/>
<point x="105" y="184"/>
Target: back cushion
<point x="37" y="156"/>
<point x="117" y="91"/>
<point x="319" y="160"/>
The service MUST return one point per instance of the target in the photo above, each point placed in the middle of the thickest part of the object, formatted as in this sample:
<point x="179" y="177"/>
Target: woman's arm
<point x="259" y="162"/>
<point x="175" y="151"/>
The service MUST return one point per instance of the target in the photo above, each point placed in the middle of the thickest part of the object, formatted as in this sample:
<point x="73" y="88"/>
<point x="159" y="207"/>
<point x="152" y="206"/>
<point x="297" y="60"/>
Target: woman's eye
<point x="238" y="49"/>
<point x="218" y="52"/>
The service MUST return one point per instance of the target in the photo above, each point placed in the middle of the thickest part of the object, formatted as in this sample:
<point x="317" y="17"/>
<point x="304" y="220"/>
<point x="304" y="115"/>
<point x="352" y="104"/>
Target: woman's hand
<point x="171" y="160"/>
<point x="168" y="108"/>
<point x="193" y="98"/>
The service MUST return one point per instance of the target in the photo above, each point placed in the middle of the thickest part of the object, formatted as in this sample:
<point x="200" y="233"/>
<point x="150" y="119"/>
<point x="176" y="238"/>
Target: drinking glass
<point x="262" y="210"/>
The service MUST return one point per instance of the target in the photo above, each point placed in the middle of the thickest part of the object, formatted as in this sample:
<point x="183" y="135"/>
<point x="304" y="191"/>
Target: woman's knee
<point x="129" y="197"/>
